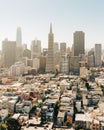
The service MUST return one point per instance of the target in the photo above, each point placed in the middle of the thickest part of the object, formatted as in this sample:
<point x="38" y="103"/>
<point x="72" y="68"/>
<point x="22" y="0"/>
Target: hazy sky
<point x="67" y="16"/>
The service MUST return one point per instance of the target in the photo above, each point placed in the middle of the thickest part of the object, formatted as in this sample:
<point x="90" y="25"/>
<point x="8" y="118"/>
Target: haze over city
<point x="67" y="16"/>
<point x="51" y="65"/>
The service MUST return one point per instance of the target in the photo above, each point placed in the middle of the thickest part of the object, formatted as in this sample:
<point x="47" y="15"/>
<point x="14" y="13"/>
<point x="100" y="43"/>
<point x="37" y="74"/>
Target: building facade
<point x="74" y="66"/>
<point x="98" y="55"/>
<point x="42" y="64"/>
<point x="50" y="56"/>
<point x="19" y="37"/>
<point x="9" y="52"/>
<point x="62" y="48"/>
<point x="64" y="65"/>
<point x="35" y="48"/>
<point x="19" y="48"/>
<point x="79" y="43"/>
<point x="17" y="69"/>
<point x="36" y="63"/>
<point x="56" y="47"/>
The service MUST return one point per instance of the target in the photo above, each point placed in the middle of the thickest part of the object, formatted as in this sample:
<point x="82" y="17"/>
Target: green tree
<point x="102" y="88"/>
<point x="13" y="124"/>
<point x="40" y="104"/>
<point x="3" y="126"/>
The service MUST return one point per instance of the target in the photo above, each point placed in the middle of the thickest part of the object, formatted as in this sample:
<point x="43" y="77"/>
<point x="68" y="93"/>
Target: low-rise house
<point x="101" y="120"/>
<point x="19" y="106"/>
<point x="61" y="118"/>
<point x="3" y="114"/>
<point x="49" y="114"/>
<point x="26" y="109"/>
<point x="16" y="116"/>
<point x="11" y="106"/>
<point x="83" y="121"/>
<point x="4" y="102"/>
<point x="1" y="104"/>
<point x="95" y="125"/>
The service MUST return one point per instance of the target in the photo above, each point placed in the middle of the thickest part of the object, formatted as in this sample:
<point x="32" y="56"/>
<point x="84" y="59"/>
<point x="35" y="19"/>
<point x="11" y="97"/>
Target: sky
<point x="67" y="16"/>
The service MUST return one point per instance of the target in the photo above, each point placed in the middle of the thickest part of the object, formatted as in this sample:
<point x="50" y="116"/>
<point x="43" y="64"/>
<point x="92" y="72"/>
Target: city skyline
<point x="35" y="16"/>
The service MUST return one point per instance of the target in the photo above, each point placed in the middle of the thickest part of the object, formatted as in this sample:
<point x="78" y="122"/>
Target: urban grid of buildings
<point x="58" y="87"/>
<point x="64" y="59"/>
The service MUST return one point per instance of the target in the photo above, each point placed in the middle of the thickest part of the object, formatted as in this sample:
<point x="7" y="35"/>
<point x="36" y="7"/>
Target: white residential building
<point x="36" y="63"/>
<point x="17" y="69"/>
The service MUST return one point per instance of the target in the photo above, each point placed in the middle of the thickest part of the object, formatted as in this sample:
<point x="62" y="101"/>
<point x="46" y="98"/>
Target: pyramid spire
<point x="50" y="27"/>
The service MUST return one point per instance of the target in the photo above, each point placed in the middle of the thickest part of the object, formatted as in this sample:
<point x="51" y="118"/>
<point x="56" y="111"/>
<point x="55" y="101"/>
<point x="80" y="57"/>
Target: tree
<point x="102" y="88"/>
<point x="13" y="124"/>
<point x="56" y="109"/>
<point x="87" y="85"/>
<point x="3" y="126"/>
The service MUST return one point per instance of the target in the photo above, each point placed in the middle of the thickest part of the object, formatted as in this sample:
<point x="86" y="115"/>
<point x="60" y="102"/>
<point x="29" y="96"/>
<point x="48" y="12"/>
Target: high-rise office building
<point x="79" y="43"/>
<point x="56" y="47"/>
<point x="19" y="48"/>
<point x="98" y="54"/>
<point x="19" y="37"/>
<point x="74" y="66"/>
<point x="62" y="48"/>
<point x="24" y="46"/>
<point x="9" y="52"/>
<point x="35" y="48"/>
<point x="56" y="54"/>
<point x="57" y="58"/>
<point x="27" y="53"/>
<point x="44" y="51"/>
<point x="91" y="58"/>
<point x="90" y="61"/>
<point x="50" y="56"/>
<point x="64" y="65"/>
<point x="36" y="63"/>
<point x="42" y="64"/>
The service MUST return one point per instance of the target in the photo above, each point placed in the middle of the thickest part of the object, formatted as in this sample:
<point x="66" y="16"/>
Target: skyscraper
<point x="56" y="47"/>
<point x="50" y="57"/>
<point x="97" y="54"/>
<point x="35" y="48"/>
<point x="19" y="37"/>
<point x="9" y="52"/>
<point x="19" y="48"/>
<point x="79" y="43"/>
<point x="56" y="54"/>
<point x="62" y="48"/>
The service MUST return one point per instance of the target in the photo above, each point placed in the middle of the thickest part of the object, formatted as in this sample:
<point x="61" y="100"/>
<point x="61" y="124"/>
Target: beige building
<point x="98" y="52"/>
<point x="45" y="52"/>
<point x="56" y="47"/>
<point x="83" y="71"/>
<point x="17" y="69"/>
<point x="91" y="62"/>
<point x="62" y="48"/>
<point x="64" y="66"/>
<point x="19" y="37"/>
<point x="57" y="58"/>
<point x="19" y="48"/>
<point x="79" y="43"/>
<point x="27" y="53"/>
<point x="9" y="52"/>
<point x="74" y="66"/>
<point x="24" y="46"/>
<point x="36" y="63"/>
<point x="50" y="56"/>
<point x="69" y="51"/>
<point x="35" y="48"/>
<point x="42" y="63"/>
